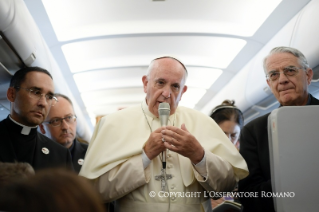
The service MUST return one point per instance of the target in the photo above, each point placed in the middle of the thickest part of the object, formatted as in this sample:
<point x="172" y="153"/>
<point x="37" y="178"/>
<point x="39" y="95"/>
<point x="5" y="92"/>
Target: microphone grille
<point x="164" y="109"/>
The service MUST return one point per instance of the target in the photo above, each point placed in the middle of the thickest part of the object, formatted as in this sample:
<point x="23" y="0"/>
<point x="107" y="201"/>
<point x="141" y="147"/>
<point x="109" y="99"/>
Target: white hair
<point x="284" y="49"/>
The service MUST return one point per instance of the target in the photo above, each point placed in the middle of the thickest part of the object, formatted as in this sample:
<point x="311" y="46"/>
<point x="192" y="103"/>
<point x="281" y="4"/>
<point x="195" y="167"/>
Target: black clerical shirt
<point x="31" y="147"/>
<point x="23" y="145"/>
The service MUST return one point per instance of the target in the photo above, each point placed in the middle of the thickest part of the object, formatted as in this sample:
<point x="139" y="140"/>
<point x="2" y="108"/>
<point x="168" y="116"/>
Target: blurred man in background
<point x="60" y="126"/>
<point x="31" y="94"/>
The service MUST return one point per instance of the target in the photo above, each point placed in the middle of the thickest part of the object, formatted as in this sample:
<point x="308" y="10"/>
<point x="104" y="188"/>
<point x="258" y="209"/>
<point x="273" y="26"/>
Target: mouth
<point x="66" y="135"/>
<point x="159" y="102"/>
<point x="38" y="113"/>
<point x="285" y="89"/>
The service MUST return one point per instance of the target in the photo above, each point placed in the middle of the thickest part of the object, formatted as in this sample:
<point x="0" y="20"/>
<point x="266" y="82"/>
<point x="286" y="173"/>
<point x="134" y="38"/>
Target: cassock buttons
<point x="80" y="161"/>
<point x="45" y="151"/>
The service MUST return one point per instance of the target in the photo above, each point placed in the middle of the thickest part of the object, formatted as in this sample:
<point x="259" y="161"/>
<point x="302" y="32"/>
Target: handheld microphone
<point x="163" y="112"/>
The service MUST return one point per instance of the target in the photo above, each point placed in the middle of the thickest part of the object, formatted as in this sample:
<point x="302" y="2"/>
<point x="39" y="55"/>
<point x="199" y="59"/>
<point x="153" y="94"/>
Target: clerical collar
<point x="25" y="129"/>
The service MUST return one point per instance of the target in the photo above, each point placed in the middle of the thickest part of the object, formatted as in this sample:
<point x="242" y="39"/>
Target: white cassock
<point x="114" y="162"/>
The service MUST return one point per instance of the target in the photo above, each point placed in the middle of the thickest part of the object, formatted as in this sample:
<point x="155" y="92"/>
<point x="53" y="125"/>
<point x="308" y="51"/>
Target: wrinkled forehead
<point x="61" y="108"/>
<point x="281" y="60"/>
<point x="38" y="80"/>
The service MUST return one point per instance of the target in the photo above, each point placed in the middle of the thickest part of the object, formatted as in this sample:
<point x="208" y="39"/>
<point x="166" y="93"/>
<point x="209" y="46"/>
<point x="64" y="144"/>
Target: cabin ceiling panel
<point x="106" y="17"/>
<point x="113" y="96"/>
<point x="204" y="51"/>
<point x="192" y="96"/>
<point x="110" y="78"/>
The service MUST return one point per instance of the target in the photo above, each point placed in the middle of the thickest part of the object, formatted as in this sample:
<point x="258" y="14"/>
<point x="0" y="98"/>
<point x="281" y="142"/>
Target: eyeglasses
<point x="36" y="94"/>
<point x="288" y="71"/>
<point x="58" y="121"/>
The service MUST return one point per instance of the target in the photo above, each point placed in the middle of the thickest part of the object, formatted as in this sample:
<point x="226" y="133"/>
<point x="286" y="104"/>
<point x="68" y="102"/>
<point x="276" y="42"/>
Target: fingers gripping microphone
<point x="163" y="112"/>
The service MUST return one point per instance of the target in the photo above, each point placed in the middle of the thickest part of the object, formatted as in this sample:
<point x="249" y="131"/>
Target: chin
<point x="35" y="122"/>
<point x="65" y="144"/>
<point x="286" y="99"/>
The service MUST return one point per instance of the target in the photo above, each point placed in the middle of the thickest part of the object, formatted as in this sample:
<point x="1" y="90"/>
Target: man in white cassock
<point x="124" y="158"/>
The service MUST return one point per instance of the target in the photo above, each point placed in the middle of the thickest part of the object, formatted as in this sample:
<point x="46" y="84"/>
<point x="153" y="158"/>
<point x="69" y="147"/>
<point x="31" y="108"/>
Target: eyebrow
<point x="283" y="68"/>
<point x="70" y="114"/>
<point x="158" y="79"/>
<point x="40" y="89"/>
<point x="162" y="79"/>
<point x="36" y="88"/>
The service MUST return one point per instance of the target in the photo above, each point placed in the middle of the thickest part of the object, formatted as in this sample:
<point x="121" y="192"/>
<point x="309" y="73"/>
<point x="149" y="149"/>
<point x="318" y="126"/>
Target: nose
<point x="166" y="92"/>
<point x="282" y="78"/>
<point x="64" y="124"/>
<point x="42" y="100"/>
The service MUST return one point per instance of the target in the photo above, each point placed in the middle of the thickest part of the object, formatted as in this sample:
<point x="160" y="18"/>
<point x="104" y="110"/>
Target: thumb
<point x="183" y="127"/>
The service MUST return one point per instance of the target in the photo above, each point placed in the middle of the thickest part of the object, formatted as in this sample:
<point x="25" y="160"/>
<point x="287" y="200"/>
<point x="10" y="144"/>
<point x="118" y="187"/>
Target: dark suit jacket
<point x="58" y="156"/>
<point x="255" y="150"/>
<point x="78" y="153"/>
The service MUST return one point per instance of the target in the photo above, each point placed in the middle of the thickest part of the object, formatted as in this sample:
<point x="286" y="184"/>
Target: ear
<point x="309" y="74"/>
<point x="268" y="83"/>
<point x="183" y="91"/>
<point x="11" y="94"/>
<point x="145" y="81"/>
<point x="42" y="129"/>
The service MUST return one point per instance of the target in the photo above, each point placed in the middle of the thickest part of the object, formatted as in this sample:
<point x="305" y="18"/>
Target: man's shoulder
<point x="314" y="101"/>
<point x="82" y="145"/>
<point x="2" y="123"/>
<point x="257" y="122"/>
<point x="121" y="117"/>
<point x="124" y="112"/>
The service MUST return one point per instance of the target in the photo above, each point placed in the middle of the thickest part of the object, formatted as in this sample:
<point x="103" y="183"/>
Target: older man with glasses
<point x="288" y="76"/>
<point x="60" y="126"/>
<point x="31" y="94"/>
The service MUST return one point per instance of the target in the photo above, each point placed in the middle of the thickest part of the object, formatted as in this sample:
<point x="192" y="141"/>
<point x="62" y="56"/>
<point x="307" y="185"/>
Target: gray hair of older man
<point x="149" y="69"/>
<point x="284" y="49"/>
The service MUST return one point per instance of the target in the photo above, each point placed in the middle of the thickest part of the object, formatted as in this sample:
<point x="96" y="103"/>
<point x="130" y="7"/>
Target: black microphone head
<point x="163" y="111"/>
